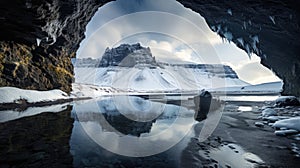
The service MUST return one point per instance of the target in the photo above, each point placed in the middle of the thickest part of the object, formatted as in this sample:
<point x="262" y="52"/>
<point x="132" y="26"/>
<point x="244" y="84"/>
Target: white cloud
<point x="162" y="45"/>
<point x="184" y="54"/>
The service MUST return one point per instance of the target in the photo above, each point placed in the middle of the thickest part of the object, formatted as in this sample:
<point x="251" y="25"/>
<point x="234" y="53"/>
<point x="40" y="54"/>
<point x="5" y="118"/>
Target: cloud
<point x="184" y="54"/>
<point x="255" y="73"/>
<point x="162" y="45"/>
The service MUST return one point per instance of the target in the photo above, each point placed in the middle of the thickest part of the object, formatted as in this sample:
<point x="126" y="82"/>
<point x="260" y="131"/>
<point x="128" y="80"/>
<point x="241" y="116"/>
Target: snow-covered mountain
<point x="132" y="67"/>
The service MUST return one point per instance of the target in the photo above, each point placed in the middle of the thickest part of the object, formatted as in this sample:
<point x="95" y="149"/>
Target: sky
<point x="175" y="34"/>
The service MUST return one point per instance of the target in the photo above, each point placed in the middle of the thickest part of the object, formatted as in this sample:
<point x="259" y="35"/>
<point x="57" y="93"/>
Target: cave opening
<point x="174" y="34"/>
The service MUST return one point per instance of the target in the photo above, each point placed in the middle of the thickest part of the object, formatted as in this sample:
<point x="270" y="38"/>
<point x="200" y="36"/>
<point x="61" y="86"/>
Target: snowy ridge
<point x="154" y="79"/>
<point x="272" y="87"/>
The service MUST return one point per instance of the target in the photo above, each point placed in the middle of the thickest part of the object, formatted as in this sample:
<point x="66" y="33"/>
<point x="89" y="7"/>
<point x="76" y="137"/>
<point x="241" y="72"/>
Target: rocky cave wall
<point x="38" y="37"/>
<point x="269" y="28"/>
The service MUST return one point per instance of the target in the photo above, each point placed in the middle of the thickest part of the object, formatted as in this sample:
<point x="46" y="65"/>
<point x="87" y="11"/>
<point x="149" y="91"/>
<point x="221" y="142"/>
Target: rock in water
<point x="259" y="124"/>
<point x="268" y="112"/>
<point x="202" y="104"/>
<point x="285" y="132"/>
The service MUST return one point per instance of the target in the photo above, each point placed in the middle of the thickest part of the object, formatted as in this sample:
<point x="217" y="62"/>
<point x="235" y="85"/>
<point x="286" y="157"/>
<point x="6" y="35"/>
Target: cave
<point x="39" y="38"/>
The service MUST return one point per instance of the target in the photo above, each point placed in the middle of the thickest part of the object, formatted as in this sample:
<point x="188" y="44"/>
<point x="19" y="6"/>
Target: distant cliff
<point x="128" y="56"/>
<point x="135" y="55"/>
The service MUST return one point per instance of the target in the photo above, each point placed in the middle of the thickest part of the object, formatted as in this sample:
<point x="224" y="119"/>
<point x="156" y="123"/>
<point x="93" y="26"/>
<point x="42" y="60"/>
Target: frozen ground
<point x="157" y="79"/>
<point x="14" y="95"/>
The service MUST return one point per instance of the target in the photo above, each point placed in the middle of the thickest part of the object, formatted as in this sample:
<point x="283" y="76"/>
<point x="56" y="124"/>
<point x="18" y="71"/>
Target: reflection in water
<point x="109" y="130"/>
<point x="9" y="115"/>
<point x="104" y="135"/>
<point x="109" y="124"/>
<point x="232" y="155"/>
<point x="37" y="141"/>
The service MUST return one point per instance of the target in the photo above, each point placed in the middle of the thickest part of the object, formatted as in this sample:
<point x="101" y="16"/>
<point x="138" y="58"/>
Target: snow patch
<point x="268" y="112"/>
<point x="13" y="95"/>
<point x="285" y="132"/>
<point x="292" y="123"/>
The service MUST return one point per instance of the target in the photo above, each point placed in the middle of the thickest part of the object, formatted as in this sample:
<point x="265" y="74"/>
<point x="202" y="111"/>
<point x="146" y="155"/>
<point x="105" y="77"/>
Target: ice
<point x="272" y="18"/>
<point x="228" y="36"/>
<point x="241" y="41"/>
<point x="13" y="95"/>
<point x="218" y="28"/>
<point x="291" y="123"/>
<point x="38" y="41"/>
<point x="255" y="39"/>
<point x="229" y="12"/>
<point x="285" y="132"/>
<point x="245" y="25"/>
<point x="213" y="28"/>
<point x="248" y="50"/>
<point x="268" y="112"/>
<point x="250" y="22"/>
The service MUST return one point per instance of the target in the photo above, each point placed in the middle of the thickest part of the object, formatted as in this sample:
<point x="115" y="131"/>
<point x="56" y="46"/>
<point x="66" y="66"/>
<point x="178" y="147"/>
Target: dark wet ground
<point x="55" y="140"/>
<point x="37" y="141"/>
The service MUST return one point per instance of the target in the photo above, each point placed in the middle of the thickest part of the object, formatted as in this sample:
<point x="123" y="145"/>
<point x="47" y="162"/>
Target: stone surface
<point x="49" y="33"/>
<point x="127" y="55"/>
<point x="38" y="38"/>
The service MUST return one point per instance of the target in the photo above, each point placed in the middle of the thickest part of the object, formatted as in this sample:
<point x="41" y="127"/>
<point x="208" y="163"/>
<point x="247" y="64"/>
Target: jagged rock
<point x="202" y="104"/>
<point x="38" y="40"/>
<point x="127" y="55"/>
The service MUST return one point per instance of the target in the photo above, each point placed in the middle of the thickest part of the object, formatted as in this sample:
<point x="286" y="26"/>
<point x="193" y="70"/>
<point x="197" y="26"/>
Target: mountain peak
<point x="127" y="55"/>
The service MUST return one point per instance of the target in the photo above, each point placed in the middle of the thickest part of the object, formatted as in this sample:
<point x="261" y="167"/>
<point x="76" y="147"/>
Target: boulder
<point x="202" y="104"/>
<point x="287" y="101"/>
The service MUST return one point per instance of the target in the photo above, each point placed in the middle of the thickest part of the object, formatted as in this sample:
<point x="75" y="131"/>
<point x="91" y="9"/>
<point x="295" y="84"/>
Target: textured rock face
<point x="38" y="38"/>
<point x="268" y="28"/>
<point x="128" y="56"/>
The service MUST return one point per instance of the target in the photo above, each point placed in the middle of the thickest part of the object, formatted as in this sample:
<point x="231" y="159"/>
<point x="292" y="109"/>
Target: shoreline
<point x="23" y="104"/>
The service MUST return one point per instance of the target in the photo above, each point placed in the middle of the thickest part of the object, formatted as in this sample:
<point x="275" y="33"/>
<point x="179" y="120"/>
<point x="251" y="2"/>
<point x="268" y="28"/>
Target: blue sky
<point x="173" y="32"/>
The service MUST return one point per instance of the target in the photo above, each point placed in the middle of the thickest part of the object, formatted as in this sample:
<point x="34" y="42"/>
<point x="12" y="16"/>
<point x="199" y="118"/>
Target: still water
<point x="116" y="131"/>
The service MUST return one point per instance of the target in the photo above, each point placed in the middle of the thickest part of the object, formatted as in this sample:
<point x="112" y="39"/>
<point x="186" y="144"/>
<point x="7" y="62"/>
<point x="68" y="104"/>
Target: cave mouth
<point x="184" y="37"/>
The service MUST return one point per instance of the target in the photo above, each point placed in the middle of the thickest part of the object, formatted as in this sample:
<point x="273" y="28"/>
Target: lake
<point x="129" y="131"/>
